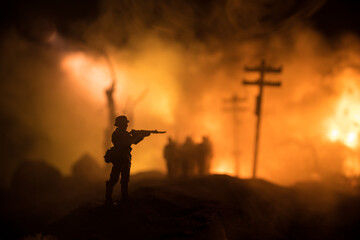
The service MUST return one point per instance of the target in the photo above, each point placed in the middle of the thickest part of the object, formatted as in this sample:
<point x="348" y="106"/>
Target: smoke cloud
<point x="180" y="59"/>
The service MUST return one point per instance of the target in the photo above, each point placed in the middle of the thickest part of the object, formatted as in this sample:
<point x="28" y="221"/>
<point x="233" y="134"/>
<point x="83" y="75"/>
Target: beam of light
<point x="89" y="74"/>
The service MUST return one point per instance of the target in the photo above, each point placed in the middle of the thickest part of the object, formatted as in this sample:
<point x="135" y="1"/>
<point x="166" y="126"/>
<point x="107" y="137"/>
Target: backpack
<point x="110" y="155"/>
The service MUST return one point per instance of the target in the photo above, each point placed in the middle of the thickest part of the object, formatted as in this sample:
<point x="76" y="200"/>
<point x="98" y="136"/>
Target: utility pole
<point x="235" y="109"/>
<point x="262" y="69"/>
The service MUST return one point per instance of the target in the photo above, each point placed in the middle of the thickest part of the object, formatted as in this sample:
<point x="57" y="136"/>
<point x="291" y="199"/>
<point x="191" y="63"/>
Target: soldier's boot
<point x="124" y="192"/>
<point x="108" y="193"/>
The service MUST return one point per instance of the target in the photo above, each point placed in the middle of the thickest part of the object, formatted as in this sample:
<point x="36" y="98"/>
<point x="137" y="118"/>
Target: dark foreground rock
<point x="215" y="207"/>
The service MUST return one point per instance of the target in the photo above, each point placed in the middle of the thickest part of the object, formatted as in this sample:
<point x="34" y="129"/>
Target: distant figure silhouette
<point x="120" y="156"/>
<point x="171" y="158"/>
<point x="204" y="156"/>
<point x="188" y="157"/>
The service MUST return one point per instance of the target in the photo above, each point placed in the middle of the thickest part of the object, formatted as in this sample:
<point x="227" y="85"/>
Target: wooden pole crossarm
<point x="263" y="69"/>
<point x="272" y="84"/>
<point x="264" y="83"/>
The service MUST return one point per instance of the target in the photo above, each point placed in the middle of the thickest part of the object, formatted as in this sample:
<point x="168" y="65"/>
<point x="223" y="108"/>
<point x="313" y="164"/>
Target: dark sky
<point x="337" y="17"/>
<point x="333" y="18"/>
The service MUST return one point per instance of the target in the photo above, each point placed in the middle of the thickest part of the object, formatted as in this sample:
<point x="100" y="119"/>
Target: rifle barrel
<point x="149" y="131"/>
<point x="156" y="131"/>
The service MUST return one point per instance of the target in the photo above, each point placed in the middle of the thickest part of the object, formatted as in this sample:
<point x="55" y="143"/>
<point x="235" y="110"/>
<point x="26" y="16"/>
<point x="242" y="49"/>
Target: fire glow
<point x="89" y="74"/>
<point x="163" y="102"/>
<point x="344" y="126"/>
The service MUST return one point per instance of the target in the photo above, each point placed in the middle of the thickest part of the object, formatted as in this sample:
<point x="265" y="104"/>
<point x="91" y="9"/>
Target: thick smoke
<point x="186" y="56"/>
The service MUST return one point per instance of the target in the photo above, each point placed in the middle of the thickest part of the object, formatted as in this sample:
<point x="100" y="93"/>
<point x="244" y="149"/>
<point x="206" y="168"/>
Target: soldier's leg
<point x="125" y="175"/>
<point x="114" y="178"/>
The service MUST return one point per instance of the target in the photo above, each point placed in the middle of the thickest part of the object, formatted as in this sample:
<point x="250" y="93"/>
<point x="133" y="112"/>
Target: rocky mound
<point x="212" y="207"/>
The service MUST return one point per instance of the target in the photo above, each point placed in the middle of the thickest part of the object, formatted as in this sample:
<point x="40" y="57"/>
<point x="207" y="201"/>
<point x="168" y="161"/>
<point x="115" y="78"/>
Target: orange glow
<point x="333" y="135"/>
<point x="344" y="127"/>
<point x="224" y="167"/>
<point x="351" y="167"/>
<point x="184" y="106"/>
<point x="351" y="140"/>
<point x="89" y="74"/>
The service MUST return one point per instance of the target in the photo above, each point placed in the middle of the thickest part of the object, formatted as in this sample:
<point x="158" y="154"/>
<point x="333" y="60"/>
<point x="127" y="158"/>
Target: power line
<point x="262" y="69"/>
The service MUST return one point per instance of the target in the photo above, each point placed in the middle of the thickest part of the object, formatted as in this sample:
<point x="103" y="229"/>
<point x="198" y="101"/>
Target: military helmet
<point x="121" y="120"/>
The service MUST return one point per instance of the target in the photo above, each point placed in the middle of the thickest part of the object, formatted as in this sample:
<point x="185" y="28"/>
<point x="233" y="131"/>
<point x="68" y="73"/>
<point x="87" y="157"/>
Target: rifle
<point x="146" y="132"/>
<point x="140" y="134"/>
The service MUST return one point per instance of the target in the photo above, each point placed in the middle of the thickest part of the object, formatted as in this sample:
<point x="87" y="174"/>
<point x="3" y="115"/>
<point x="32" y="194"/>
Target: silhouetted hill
<point x="214" y="207"/>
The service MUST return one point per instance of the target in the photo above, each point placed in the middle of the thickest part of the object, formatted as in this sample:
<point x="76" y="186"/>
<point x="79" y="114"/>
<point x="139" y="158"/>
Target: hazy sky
<point x="183" y="57"/>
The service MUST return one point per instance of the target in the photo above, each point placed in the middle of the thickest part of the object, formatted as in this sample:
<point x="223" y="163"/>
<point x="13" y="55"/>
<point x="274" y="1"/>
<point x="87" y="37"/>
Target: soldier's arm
<point x="138" y="136"/>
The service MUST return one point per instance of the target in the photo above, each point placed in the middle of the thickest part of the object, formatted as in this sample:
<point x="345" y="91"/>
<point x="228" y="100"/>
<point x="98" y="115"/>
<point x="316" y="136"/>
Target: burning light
<point x="348" y="138"/>
<point x="343" y="126"/>
<point x="224" y="167"/>
<point x="352" y="167"/>
<point x="351" y="140"/>
<point x="334" y="135"/>
<point x="89" y="74"/>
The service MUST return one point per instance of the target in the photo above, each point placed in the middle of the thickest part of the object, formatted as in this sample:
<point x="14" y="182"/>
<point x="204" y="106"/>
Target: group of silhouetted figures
<point x="188" y="159"/>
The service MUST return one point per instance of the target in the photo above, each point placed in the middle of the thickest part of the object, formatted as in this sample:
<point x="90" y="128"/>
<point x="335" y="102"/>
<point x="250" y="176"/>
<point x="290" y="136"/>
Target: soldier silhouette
<point x="120" y="157"/>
